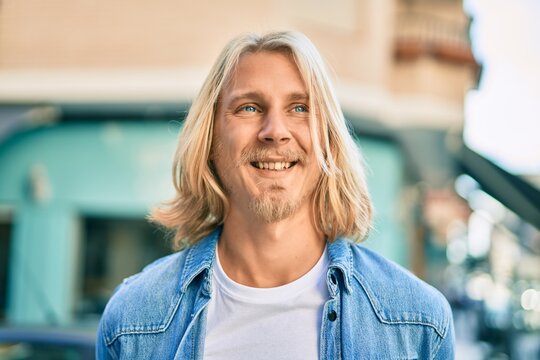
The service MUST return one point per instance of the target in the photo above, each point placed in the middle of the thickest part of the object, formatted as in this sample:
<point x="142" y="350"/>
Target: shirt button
<point x="332" y="315"/>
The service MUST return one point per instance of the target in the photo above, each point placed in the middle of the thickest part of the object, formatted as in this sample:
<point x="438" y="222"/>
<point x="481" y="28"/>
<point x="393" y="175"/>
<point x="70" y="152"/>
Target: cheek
<point x="217" y="149"/>
<point x="302" y="135"/>
<point x="226" y="157"/>
<point x="224" y="148"/>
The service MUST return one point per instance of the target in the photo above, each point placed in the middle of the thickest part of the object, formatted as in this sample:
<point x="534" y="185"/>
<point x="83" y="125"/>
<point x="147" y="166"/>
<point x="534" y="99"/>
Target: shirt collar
<point x="341" y="259"/>
<point x="201" y="255"/>
<point x="199" y="258"/>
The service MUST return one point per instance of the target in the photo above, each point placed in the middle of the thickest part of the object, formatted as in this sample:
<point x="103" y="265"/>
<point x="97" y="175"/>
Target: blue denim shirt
<point x="376" y="309"/>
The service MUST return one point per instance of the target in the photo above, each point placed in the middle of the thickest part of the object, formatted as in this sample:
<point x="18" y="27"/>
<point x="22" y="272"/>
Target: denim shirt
<point x="376" y="309"/>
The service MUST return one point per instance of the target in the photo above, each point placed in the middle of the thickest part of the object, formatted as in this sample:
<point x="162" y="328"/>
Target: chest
<point x="248" y="328"/>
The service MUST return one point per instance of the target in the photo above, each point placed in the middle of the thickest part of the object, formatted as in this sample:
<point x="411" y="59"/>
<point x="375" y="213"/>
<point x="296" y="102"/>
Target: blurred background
<point x="443" y="97"/>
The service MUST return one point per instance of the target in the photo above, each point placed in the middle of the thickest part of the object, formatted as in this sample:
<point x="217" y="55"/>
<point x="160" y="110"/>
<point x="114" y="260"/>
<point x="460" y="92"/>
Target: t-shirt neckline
<point x="277" y="294"/>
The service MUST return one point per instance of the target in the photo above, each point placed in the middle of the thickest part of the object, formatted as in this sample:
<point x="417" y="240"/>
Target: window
<point x="113" y="249"/>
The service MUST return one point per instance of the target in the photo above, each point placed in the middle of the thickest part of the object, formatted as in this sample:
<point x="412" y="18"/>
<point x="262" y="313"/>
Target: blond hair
<point x="341" y="203"/>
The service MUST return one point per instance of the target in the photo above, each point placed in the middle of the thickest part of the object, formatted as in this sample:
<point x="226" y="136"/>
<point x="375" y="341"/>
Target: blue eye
<point x="300" y="108"/>
<point x="249" y="108"/>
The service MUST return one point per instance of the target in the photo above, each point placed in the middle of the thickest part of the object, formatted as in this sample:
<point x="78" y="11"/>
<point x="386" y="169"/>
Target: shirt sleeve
<point x="446" y="349"/>
<point x="103" y="352"/>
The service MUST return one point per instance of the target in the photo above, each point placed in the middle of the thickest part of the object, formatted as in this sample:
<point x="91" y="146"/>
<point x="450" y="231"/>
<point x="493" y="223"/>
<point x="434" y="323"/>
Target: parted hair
<point x="341" y="205"/>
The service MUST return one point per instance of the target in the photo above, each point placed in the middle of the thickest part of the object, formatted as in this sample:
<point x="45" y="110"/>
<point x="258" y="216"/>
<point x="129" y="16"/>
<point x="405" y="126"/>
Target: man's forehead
<point x="259" y="86"/>
<point x="263" y="63"/>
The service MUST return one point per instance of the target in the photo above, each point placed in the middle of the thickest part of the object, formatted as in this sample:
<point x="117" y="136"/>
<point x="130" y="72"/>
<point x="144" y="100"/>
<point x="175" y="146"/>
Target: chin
<point x="272" y="209"/>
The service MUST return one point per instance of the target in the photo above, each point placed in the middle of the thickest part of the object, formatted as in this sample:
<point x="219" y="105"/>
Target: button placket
<point x="330" y="330"/>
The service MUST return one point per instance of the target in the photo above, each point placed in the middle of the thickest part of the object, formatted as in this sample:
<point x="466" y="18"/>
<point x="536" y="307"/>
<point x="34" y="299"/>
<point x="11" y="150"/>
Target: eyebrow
<point x="250" y="95"/>
<point x="298" y="96"/>
<point x="255" y="95"/>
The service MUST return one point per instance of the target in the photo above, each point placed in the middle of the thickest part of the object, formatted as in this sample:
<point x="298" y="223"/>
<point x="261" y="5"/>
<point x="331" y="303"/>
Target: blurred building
<point x="91" y="99"/>
<point x="400" y="62"/>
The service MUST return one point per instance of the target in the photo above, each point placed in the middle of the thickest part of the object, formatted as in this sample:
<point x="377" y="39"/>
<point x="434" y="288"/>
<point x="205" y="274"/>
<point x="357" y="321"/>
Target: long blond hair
<point x="341" y="203"/>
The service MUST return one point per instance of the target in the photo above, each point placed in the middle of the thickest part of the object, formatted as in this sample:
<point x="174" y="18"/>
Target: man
<point x="270" y="197"/>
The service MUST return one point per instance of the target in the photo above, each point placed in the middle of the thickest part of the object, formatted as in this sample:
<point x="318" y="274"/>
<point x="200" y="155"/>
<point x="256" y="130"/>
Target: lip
<point x="276" y="159"/>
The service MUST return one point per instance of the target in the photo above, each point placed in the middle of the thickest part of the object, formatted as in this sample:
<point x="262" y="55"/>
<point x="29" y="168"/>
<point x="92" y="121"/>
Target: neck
<point x="258" y="254"/>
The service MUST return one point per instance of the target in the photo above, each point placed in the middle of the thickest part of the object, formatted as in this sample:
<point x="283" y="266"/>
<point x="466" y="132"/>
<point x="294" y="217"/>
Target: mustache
<point x="260" y="153"/>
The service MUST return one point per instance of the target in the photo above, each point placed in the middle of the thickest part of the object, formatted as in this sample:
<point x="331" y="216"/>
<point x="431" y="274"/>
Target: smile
<point x="276" y="166"/>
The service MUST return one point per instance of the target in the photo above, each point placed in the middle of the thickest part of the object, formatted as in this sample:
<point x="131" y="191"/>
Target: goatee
<point x="271" y="208"/>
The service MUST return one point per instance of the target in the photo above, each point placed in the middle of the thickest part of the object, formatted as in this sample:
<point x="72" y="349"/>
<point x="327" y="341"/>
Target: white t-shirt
<point x="283" y="322"/>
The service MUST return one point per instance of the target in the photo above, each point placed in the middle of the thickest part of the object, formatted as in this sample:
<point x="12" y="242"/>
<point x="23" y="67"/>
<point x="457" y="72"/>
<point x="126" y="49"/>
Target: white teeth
<point x="273" y="165"/>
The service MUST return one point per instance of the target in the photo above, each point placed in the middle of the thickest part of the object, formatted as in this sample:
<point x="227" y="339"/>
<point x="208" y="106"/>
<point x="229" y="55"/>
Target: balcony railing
<point x="420" y="34"/>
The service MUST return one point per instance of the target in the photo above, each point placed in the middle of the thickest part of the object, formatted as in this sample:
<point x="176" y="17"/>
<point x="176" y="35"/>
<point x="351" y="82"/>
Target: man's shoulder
<point x="146" y="301"/>
<point x="397" y="295"/>
<point x="162" y="274"/>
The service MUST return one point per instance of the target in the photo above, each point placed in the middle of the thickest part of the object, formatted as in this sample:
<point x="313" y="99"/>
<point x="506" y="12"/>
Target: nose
<point x="274" y="129"/>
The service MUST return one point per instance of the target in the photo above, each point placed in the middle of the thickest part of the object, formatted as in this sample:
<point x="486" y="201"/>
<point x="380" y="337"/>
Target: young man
<point x="270" y="198"/>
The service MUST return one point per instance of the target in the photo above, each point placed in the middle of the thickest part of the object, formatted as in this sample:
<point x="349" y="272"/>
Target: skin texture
<point x="268" y="238"/>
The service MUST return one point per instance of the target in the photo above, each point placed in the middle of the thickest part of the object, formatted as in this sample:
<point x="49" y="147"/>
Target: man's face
<point x="262" y="145"/>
